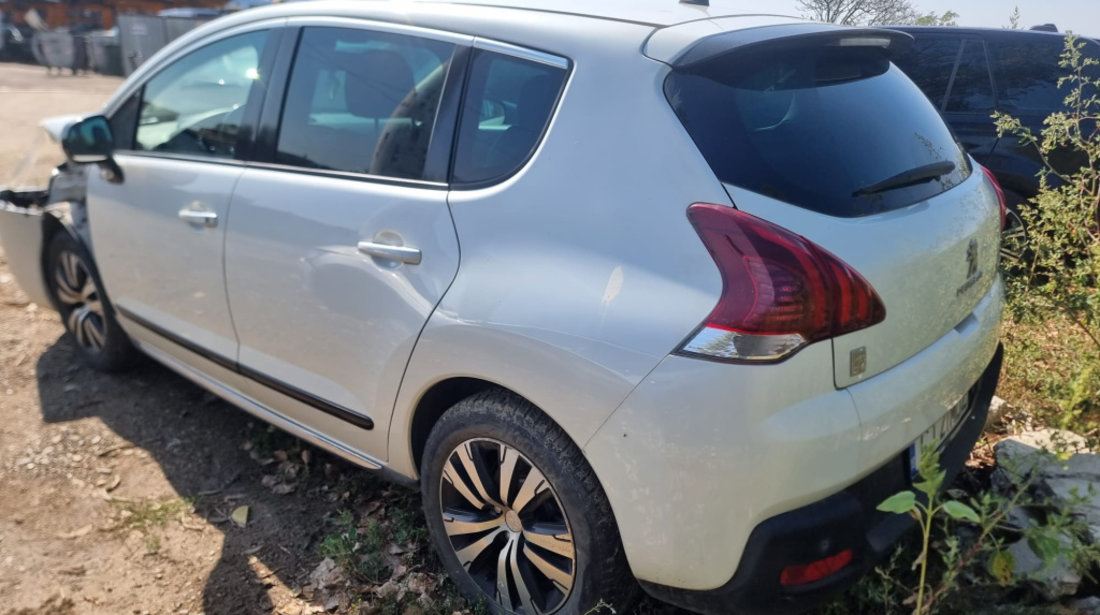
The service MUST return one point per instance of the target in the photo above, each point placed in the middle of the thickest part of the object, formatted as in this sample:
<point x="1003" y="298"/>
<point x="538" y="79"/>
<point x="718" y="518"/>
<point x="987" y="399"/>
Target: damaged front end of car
<point x="29" y="217"/>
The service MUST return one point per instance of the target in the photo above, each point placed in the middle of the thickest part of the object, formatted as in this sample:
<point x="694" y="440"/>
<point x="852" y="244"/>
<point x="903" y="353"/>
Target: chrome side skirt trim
<point x="258" y="410"/>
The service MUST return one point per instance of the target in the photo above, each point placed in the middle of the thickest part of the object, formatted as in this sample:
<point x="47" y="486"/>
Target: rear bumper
<point x="844" y="520"/>
<point x="701" y="453"/>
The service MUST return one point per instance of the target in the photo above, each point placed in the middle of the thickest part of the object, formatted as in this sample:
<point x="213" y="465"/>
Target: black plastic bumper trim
<point x="845" y="520"/>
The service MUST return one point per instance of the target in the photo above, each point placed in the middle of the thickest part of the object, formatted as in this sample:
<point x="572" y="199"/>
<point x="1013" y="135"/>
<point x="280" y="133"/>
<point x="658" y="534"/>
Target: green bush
<point x="1060" y="282"/>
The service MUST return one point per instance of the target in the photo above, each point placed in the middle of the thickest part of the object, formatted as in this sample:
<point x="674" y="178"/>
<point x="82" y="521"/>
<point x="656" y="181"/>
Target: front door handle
<point x="401" y="254"/>
<point x="199" y="217"/>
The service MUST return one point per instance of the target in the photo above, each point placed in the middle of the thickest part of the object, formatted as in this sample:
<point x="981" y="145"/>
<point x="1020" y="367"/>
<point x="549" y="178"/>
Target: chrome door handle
<point x="199" y="217"/>
<point x="402" y="254"/>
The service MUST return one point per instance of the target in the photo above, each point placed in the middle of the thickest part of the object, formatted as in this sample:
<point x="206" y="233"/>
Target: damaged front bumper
<point x="21" y="237"/>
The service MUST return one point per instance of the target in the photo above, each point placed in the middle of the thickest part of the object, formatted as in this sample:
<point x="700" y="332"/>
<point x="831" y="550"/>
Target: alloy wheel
<point x="80" y="301"/>
<point x="507" y="527"/>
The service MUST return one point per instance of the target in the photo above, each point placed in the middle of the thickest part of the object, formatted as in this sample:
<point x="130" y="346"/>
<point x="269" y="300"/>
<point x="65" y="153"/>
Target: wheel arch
<point x="57" y="218"/>
<point x="434" y="403"/>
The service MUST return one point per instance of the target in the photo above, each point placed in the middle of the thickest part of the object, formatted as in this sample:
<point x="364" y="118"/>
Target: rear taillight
<point x="1000" y="194"/>
<point x="780" y="291"/>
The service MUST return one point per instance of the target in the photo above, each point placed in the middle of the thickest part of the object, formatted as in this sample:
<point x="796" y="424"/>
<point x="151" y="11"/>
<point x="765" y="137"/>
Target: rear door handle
<point x="199" y="217"/>
<point x="401" y="254"/>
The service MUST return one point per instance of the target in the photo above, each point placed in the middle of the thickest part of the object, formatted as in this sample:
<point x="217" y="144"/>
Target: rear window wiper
<point x="918" y="175"/>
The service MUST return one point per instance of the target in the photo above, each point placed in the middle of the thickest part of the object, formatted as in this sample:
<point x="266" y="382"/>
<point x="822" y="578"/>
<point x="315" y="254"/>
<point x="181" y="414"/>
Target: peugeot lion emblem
<point x="973" y="274"/>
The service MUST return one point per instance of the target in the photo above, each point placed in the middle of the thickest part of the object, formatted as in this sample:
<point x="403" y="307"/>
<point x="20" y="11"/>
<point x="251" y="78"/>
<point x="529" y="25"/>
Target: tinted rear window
<point x="817" y="128"/>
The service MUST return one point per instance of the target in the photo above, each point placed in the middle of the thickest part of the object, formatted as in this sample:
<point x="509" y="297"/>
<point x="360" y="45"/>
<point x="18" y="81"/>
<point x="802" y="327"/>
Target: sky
<point x="1081" y="16"/>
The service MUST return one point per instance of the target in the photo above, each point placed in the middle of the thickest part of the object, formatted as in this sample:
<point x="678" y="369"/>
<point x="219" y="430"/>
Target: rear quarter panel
<point x="581" y="272"/>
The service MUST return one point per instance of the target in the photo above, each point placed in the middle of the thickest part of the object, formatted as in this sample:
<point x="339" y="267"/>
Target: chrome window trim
<point x="389" y="27"/>
<point x="122" y="96"/>
<point x="179" y="157"/>
<point x="348" y="175"/>
<point x="525" y="53"/>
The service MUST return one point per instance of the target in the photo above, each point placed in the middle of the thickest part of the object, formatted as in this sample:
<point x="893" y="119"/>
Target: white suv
<point x="632" y="290"/>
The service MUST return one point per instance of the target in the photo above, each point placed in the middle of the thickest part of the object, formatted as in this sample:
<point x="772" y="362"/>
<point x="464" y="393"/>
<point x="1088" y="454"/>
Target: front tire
<point x="517" y="515"/>
<point x="77" y="292"/>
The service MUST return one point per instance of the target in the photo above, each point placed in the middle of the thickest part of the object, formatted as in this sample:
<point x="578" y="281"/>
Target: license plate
<point x="940" y="432"/>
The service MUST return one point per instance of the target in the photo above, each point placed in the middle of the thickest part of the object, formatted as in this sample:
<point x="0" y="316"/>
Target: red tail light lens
<point x="780" y="291"/>
<point x="804" y="574"/>
<point x="1000" y="194"/>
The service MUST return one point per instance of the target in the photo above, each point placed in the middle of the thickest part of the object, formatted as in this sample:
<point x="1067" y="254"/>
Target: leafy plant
<point x="924" y="510"/>
<point x="972" y="535"/>
<point x="1062" y="277"/>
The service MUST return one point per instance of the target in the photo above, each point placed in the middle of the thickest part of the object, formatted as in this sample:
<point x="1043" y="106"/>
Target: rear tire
<point x="1014" y="237"/>
<point x="86" y="313"/>
<point x="546" y="542"/>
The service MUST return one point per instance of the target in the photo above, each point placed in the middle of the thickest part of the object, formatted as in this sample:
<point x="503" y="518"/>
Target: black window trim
<point x="245" y="142"/>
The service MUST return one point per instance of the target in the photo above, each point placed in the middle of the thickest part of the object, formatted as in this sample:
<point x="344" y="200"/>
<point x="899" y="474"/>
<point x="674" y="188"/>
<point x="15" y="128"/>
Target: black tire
<point x="86" y="313"/>
<point x="1015" y="253"/>
<point x="497" y="427"/>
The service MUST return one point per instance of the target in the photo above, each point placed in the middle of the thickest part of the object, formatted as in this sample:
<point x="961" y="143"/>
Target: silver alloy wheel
<point x="80" y="301"/>
<point x="507" y="527"/>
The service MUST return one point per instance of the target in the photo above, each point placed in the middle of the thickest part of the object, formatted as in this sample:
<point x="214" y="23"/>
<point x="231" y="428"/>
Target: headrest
<point x="378" y="83"/>
<point x="535" y="100"/>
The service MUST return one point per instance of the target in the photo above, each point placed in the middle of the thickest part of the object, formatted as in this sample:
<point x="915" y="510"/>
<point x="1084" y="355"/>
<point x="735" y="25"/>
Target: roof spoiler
<point x="806" y="35"/>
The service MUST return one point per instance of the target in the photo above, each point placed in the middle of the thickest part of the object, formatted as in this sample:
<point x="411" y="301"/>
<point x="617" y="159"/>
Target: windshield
<point x="839" y="131"/>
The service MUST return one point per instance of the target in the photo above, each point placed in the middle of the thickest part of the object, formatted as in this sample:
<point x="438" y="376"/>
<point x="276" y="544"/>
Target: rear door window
<point x="507" y="106"/>
<point x="930" y="63"/>
<point x="360" y="101"/>
<point x="840" y="131"/>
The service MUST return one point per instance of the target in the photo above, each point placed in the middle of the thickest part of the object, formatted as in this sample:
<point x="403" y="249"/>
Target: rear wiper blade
<point x="918" y="175"/>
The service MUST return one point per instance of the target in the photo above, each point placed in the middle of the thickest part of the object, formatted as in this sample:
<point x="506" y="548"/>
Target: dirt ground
<point x="116" y="492"/>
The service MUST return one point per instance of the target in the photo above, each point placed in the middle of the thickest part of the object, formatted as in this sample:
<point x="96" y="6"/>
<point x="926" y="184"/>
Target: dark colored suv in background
<point x="970" y="73"/>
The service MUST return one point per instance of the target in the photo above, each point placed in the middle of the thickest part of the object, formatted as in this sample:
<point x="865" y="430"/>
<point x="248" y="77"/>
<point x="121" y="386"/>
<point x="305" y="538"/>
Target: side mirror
<point x="90" y="141"/>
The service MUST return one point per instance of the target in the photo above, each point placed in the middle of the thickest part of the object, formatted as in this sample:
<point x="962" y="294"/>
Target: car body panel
<point x="570" y="291"/>
<point x="927" y="265"/>
<point x="164" y="270"/>
<point x="702" y="452"/>
<point x="313" y="311"/>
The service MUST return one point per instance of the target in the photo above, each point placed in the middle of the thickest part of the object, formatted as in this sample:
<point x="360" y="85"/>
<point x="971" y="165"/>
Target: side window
<point x="972" y="90"/>
<point x="362" y="102"/>
<point x="507" y="107"/>
<point x="1028" y="73"/>
<point x="929" y="64"/>
<point x="196" y="105"/>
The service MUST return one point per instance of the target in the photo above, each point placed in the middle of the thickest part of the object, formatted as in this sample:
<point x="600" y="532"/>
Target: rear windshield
<point x="839" y="131"/>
